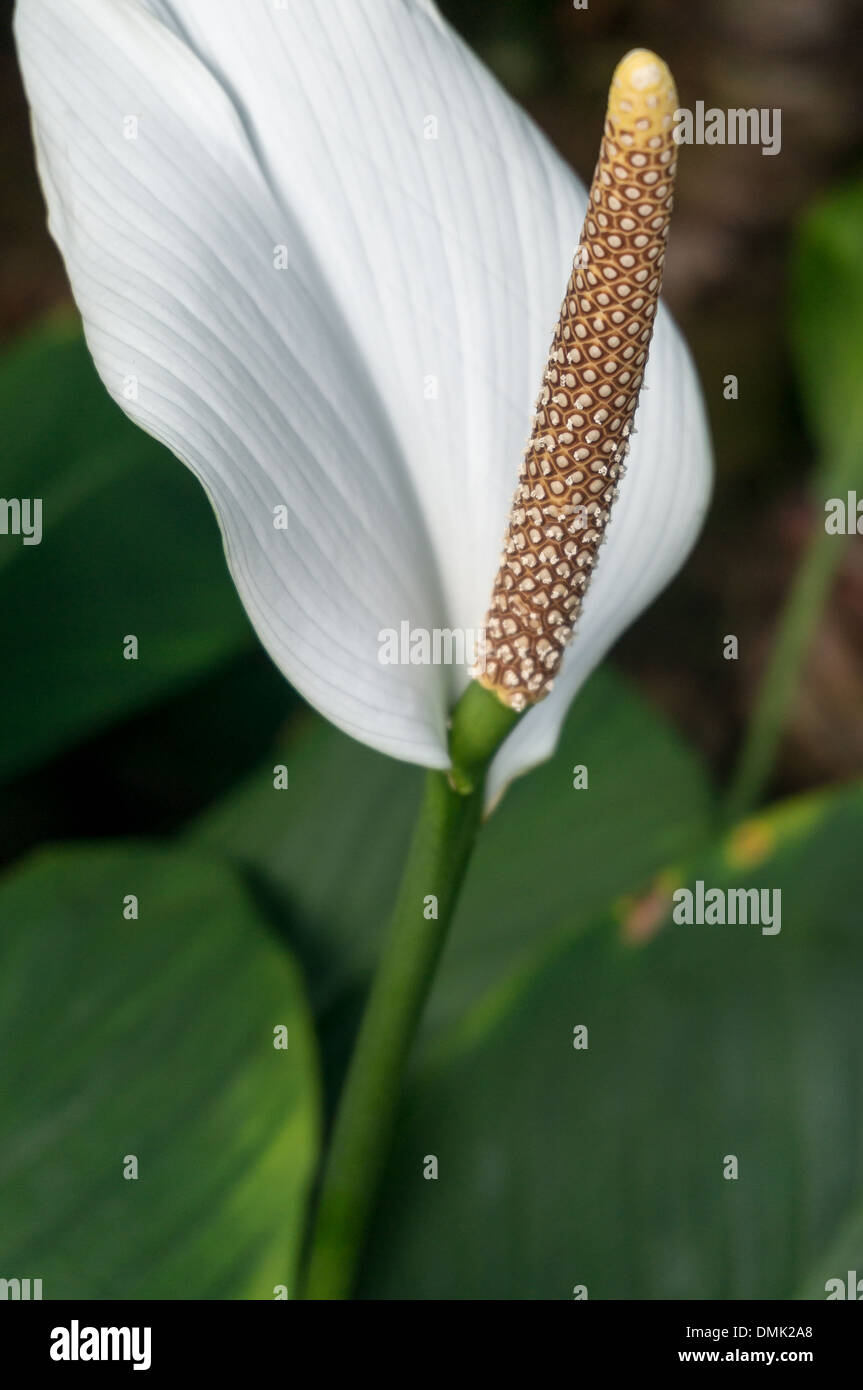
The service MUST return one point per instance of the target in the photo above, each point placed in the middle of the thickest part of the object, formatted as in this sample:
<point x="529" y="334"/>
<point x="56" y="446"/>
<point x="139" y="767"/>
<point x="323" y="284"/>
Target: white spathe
<point x="320" y="253"/>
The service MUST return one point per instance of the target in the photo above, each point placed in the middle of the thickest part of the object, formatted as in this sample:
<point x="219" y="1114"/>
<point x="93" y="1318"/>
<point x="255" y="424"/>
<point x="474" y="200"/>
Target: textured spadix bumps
<point x="584" y="416"/>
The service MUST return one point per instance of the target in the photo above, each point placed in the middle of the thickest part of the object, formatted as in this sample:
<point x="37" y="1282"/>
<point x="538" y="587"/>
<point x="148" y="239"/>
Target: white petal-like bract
<point x="319" y="253"/>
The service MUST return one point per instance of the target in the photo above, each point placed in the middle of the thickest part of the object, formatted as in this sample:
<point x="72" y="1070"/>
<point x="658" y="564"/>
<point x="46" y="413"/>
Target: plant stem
<point x="791" y="644"/>
<point x="437" y="859"/>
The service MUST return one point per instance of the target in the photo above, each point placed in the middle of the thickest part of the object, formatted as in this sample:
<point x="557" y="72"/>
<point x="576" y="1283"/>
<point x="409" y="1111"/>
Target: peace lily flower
<point x="319" y="254"/>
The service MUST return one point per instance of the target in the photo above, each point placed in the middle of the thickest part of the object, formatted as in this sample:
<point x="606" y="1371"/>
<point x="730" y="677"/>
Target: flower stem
<point x="803" y="611"/>
<point x="437" y="859"/>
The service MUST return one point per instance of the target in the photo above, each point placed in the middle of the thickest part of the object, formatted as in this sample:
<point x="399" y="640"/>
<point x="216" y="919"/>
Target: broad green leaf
<point x="329" y="849"/>
<point x="129" y="547"/>
<point x="605" y="1166"/>
<point x="154" y="1039"/>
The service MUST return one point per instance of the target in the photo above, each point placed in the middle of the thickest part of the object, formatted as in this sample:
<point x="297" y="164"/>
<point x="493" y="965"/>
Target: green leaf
<point x="827" y="318"/>
<point x="150" y="1038"/>
<point x="827" y="304"/>
<point x="548" y="858"/>
<point x="827" y="313"/>
<point x="605" y="1167"/>
<point x="129" y="546"/>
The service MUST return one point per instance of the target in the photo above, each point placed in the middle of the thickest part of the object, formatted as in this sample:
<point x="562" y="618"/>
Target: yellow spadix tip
<point x="642" y="98"/>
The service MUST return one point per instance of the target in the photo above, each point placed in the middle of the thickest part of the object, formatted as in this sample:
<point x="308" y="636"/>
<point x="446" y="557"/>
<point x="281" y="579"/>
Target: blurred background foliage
<point x="260" y="908"/>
